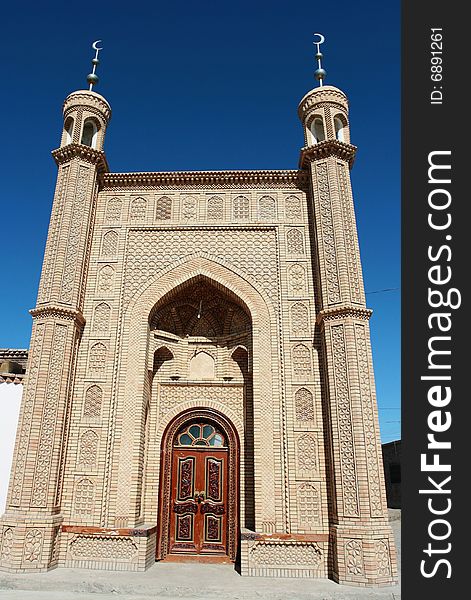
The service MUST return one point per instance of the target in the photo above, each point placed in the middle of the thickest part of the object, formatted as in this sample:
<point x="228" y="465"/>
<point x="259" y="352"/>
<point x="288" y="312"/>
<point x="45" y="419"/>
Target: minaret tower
<point x="31" y="523"/>
<point x="361" y="539"/>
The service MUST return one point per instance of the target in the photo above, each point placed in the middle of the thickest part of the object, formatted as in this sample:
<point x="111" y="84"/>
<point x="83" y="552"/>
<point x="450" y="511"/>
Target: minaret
<point x="361" y="539"/>
<point x="32" y="520"/>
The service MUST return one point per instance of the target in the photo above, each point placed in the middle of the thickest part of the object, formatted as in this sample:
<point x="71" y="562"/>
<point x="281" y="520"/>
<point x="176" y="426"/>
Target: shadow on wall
<point x="10" y="400"/>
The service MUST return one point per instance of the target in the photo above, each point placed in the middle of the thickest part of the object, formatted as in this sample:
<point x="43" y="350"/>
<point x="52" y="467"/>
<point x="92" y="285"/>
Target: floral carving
<point x="349" y="229"/>
<point x="295" y="241"/>
<point x="369" y="418"/>
<point x="306" y="554"/>
<point x="304" y="405"/>
<point x="92" y="403"/>
<point x="101" y="319"/>
<point x="110" y="243"/>
<point x="344" y="423"/>
<point x="302" y="363"/>
<point x="163" y="208"/>
<point x="299" y="320"/>
<point x="7" y="543"/>
<point x="241" y="208"/>
<point x="77" y="221"/>
<point x="49" y="418"/>
<point x="28" y="404"/>
<point x="327" y="234"/>
<point x="113" y="210"/>
<point x="88" y="449"/>
<point x="354" y="558"/>
<point x="97" y="359"/>
<point x="138" y="209"/>
<point x="84" y="496"/>
<point x="293" y="209"/>
<point x="32" y="546"/>
<point x="308" y="506"/>
<point x="383" y="561"/>
<point x="53" y="236"/>
<point x="105" y="279"/>
<point x="189" y="208"/>
<point x="266" y="208"/>
<point x="307" y="454"/>
<point x="104" y="548"/>
<point x="297" y="280"/>
<point x="215" y="208"/>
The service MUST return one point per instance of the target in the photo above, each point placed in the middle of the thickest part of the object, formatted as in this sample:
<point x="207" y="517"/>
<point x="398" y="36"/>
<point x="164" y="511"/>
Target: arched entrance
<point x="199" y="490"/>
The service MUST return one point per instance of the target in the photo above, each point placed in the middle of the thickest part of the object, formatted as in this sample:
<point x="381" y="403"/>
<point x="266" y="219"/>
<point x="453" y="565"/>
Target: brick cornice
<point x="327" y="148"/>
<point x="343" y="312"/>
<point x="90" y="155"/>
<point x="217" y="179"/>
<point x="54" y="311"/>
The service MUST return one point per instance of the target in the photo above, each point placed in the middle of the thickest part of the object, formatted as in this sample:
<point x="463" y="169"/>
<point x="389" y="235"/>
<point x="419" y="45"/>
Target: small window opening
<point x="317" y="130"/>
<point x="339" y="129"/>
<point x="89" y="134"/>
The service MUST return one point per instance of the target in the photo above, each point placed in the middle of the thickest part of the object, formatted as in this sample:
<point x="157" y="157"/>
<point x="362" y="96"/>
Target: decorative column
<point x="362" y="543"/>
<point x="30" y="527"/>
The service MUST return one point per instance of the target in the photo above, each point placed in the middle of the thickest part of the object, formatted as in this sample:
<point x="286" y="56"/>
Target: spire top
<point x="319" y="73"/>
<point x="92" y="78"/>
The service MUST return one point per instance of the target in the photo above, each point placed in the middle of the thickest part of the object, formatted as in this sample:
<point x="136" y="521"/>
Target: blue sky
<point x="203" y="86"/>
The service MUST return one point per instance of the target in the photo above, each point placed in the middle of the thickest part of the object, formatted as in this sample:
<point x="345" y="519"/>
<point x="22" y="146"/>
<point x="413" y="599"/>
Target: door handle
<point x="199" y="496"/>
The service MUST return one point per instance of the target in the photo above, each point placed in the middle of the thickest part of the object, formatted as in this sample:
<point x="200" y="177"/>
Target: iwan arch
<point x="200" y="382"/>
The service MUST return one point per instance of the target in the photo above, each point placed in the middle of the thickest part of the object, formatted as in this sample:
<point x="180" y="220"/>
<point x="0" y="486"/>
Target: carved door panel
<point x="198" y="519"/>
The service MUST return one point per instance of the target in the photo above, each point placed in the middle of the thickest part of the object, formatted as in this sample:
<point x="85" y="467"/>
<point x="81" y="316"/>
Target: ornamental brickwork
<point x="233" y="298"/>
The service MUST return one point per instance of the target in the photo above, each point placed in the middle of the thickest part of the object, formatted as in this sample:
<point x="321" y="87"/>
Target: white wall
<point x="10" y="400"/>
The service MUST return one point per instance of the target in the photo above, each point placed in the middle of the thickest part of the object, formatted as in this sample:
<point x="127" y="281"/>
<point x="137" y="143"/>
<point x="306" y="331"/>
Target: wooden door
<point x="199" y="487"/>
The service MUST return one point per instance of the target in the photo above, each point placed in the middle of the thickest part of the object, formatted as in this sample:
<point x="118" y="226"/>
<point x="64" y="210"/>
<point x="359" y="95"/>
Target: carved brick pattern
<point x="72" y="260"/>
<point x="33" y="545"/>
<point x="302" y="362"/>
<point x="104" y="548"/>
<point x="344" y="423"/>
<point x="295" y="241"/>
<point x="307" y="454"/>
<point x="306" y="554"/>
<point x="49" y="418"/>
<point x="328" y="240"/>
<point x="110" y="244"/>
<point x="172" y="396"/>
<point x="163" y="209"/>
<point x="50" y="254"/>
<point x="383" y="560"/>
<point x="215" y="208"/>
<point x="189" y="208"/>
<point x="267" y="208"/>
<point x="7" y="543"/>
<point x="27" y="412"/>
<point x="105" y="279"/>
<point x="253" y="252"/>
<point x="97" y="359"/>
<point x="138" y="209"/>
<point x="297" y="280"/>
<point x="101" y="319"/>
<point x="293" y="209"/>
<point x="367" y="399"/>
<point x="308" y="506"/>
<point x="241" y="208"/>
<point x="113" y="210"/>
<point x="351" y="245"/>
<point x="92" y="403"/>
<point x="304" y="405"/>
<point x="299" y="320"/>
<point x="88" y="449"/>
<point x="354" y="557"/>
<point x="84" y="496"/>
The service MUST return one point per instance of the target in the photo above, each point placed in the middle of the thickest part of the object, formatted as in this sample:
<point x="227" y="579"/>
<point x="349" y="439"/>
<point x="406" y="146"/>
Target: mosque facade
<point x="200" y="380"/>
